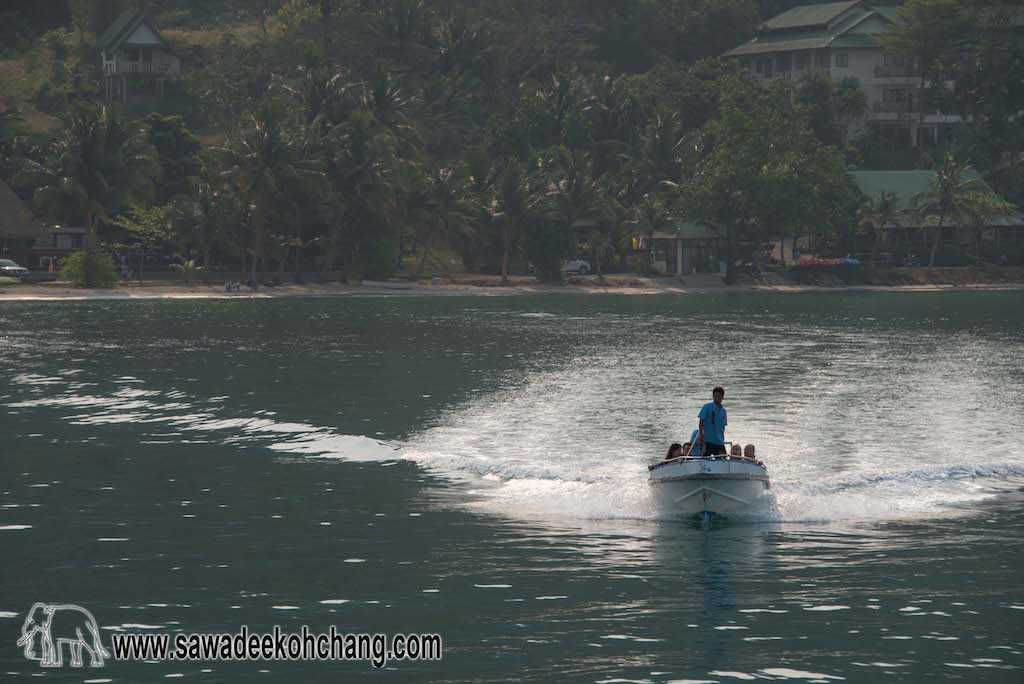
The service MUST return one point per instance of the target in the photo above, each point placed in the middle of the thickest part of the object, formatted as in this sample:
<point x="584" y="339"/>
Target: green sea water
<point x="476" y="467"/>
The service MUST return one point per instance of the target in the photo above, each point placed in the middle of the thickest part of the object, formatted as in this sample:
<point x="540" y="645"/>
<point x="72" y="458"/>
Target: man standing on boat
<point x="712" y="424"/>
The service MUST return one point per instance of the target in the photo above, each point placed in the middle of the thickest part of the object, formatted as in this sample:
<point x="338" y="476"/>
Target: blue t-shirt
<point x="714" y="423"/>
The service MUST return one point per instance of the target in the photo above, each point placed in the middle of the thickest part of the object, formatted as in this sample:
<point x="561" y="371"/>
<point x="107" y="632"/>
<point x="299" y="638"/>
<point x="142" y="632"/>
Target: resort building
<point x="840" y="38"/>
<point x="133" y="53"/>
<point x="999" y="232"/>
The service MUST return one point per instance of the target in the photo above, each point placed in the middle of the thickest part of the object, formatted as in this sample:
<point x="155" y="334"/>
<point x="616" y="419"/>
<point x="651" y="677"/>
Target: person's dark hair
<point x="718" y="389"/>
<point x="676" y="446"/>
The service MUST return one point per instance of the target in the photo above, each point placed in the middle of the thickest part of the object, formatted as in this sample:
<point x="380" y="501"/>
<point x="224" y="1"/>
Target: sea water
<point x="476" y="467"/>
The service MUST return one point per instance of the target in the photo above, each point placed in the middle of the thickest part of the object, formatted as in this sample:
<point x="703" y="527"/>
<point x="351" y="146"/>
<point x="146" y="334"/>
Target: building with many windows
<point x="841" y="39"/>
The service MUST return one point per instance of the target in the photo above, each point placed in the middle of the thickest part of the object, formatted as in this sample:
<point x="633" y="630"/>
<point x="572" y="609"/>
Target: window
<point x="891" y="95"/>
<point x="63" y="242"/>
<point x="822" y="60"/>
<point x="784" y="62"/>
<point x="842" y="59"/>
<point x="802" y="61"/>
<point x="745" y="64"/>
<point x="768" y="67"/>
<point x="760" y="66"/>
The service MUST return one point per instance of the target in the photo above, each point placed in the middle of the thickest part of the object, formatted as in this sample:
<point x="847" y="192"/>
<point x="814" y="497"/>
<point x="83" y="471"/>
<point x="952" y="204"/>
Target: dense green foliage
<point x="380" y="136"/>
<point x="89" y="270"/>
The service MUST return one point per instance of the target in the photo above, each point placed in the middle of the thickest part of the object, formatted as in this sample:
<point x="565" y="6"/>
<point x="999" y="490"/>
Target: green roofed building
<point x="999" y="230"/>
<point x="133" y="52"/>
<point x="841" y="39"/>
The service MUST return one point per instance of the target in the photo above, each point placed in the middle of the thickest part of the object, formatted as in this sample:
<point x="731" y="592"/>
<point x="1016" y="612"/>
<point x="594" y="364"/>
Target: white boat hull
<point x="718" y="485"/>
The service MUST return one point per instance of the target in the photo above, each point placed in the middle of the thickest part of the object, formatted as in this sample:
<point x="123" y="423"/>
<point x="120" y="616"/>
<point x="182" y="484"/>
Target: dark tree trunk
<point x="332" y="252"/>
<point x="506" y="246"/>
<point x="730" y="267"/>
<point x="874" y="248"/>
<point x="205" y="246"/>
<point x="90" y="237"/>
<point x="423" y="261"/>
<point x="937" y="240"/>
<point x="282" y="262"/>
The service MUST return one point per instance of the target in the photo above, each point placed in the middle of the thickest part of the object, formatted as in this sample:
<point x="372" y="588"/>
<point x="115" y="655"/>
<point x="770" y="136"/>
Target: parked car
<point x="12" y="270"/>
<point x="577" y="266"/>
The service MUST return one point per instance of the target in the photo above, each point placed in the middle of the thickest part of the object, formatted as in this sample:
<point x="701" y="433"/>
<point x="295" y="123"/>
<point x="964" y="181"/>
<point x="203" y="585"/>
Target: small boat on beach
<point x="708" y="486"/>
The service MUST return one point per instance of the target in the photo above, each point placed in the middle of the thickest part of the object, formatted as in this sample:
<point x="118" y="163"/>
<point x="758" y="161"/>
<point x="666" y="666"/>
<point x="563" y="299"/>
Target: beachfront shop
<point x="693" y="248"/>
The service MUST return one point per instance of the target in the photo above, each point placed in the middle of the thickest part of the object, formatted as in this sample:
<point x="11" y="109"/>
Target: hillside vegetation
<point x="368" y="135"/>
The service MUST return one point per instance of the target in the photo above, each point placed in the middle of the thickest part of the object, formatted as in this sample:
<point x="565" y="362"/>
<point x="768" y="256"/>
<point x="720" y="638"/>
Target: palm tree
<point x="326" y="98"/>
<point x="602" y="241"/>
<point x="447" y="211"/>
<point x="197" y="212"/>
<point x="572" y="195"/>
<point x="97" y="167"/>
<point x="954" y="196"/>
<point x="188" y="270"/>
<point x="360" y="163"/>
<point x="267" y="168"/>
<point x="980" y="209"/>
<point x="878" y="212"/>
<point x="511" y="207"/>
<point x="657" y="154"/>
<point x="651" y="215"/>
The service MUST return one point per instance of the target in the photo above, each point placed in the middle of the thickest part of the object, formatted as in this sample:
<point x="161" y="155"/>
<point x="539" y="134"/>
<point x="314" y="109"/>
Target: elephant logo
<point x="57" y="626"/>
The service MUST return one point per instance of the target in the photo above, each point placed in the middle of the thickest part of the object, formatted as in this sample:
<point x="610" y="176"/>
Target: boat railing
<point x="697" y="459"/>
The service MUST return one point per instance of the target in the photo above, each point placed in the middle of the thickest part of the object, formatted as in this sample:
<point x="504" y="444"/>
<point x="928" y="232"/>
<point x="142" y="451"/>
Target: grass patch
<point x="16" y="87"/>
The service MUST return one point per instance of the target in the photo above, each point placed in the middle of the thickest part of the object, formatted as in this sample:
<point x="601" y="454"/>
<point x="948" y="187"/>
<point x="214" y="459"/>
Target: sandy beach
<point x="612" y="285"/>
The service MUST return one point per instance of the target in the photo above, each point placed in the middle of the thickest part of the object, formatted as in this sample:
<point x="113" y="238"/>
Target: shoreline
<point x="636" y="287"/>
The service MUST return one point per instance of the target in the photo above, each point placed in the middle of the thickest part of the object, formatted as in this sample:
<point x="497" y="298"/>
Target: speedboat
<point x="709" y="486"/>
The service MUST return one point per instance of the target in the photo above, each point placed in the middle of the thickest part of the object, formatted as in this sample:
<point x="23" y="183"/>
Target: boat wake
<point x="518" y="454"/>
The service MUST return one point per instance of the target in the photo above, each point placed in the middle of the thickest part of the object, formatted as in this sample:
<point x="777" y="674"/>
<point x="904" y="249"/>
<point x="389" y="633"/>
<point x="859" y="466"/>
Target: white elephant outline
<point x="40" y="621"/>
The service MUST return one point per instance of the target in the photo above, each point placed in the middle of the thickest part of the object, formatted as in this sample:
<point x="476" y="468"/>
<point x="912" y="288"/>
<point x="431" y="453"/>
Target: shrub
<point x="189" y="270"/>
<point x="639" y="263"/>
<point x="544" y="243"/>
<point x="377" y="260"/>
<point x="96" y="270"/>
<point x="50" y="97"/>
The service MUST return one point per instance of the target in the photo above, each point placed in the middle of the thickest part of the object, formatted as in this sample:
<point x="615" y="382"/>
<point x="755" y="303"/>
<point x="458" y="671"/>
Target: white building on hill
<point x="133" y="52"/>
<point x="840" y="38"/>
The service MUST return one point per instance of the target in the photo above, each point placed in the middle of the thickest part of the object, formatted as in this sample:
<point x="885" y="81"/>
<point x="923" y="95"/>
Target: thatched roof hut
<point x="16" y="221"/>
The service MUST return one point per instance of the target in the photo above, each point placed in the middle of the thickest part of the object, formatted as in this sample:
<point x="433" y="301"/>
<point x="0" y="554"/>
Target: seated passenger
<point x="698" y="447"/>
<point x="674" y="451"/>
<point x="748" y="451"/>
<point x="736" y="450"/>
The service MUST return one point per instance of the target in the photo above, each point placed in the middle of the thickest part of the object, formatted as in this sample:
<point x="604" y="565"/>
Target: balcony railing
<point x="897" y="107"/>
<point x="889" y="70"/>
<point x="139" y="69"/>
